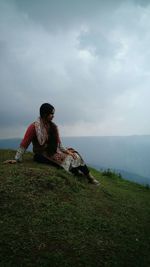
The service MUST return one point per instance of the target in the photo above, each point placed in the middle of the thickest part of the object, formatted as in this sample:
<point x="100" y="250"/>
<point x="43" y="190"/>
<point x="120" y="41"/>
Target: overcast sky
<point x="88" y="58"/>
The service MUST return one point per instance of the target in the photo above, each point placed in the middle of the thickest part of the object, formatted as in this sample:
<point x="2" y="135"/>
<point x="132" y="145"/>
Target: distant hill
<point x="11" y="143"/>
<point x="52" y="218"/>
<point x="130" y="154"/>
<point x="134" y="177"/>
<point x="127" y="175"/>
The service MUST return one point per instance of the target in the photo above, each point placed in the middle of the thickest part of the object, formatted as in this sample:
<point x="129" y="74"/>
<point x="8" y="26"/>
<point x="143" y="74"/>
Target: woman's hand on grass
<point x="10" y="161"/>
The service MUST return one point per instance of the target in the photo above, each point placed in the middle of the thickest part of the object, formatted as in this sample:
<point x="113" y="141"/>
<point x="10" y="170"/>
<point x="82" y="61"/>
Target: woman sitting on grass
<point x="47" y="146"/>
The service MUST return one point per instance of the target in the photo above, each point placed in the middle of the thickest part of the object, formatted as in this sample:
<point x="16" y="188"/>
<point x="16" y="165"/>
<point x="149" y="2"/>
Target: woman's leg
<point x="41" y="159"/>
<point x="84" y="169"/>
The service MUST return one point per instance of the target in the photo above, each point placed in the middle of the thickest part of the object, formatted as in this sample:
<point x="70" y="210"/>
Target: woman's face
<point x="50" y="116"/>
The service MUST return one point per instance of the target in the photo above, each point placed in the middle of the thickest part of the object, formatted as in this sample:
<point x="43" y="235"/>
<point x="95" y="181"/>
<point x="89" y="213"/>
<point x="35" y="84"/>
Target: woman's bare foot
<point x="92" y="180"/>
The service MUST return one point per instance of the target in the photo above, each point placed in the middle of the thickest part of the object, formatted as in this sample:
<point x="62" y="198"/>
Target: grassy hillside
<point x="51" y="218"/>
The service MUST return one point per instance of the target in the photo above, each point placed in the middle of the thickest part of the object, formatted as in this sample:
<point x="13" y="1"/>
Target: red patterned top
<point x="31" y="137"/>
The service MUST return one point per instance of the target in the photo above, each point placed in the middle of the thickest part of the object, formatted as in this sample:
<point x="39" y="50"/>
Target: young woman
<point x="47" y="146"/>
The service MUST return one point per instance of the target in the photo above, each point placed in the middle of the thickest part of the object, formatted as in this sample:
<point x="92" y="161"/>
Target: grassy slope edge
<point x="51" y="218"/>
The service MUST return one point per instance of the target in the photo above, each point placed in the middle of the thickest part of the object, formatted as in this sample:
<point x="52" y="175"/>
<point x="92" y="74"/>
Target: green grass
<point x="51" y="218"/>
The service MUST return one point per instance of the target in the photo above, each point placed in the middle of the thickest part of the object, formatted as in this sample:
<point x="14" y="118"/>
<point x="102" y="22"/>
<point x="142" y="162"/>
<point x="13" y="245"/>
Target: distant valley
<point x="128" y="155"/>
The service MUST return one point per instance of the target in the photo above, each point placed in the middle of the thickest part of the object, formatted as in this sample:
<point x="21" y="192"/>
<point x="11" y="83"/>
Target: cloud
<point x="89" y="59"/>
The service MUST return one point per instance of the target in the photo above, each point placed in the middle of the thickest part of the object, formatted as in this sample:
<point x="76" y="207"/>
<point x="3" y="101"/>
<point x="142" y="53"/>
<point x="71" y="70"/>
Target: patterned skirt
<point x="66" y="161"/>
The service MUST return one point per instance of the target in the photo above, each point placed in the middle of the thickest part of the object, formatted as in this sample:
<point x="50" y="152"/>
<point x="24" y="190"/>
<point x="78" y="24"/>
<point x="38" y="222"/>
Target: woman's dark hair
<point x="46" y="109"/>
<point x="53" y="139"/>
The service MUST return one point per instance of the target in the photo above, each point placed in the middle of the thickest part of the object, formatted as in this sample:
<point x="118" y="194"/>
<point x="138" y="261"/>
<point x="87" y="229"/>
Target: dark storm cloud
<point x="90" y="59"/>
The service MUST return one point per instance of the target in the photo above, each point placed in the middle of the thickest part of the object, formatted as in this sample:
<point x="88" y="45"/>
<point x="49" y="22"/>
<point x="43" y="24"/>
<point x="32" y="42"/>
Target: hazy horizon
<point x="84" y="136"/>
